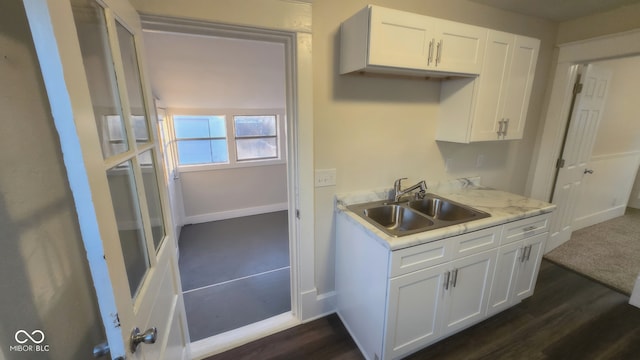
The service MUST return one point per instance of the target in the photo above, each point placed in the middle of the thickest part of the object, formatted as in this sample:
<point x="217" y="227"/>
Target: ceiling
<point x="557" y="10"/>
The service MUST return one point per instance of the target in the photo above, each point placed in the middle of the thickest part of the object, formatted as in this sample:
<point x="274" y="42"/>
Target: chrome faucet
<point x="399" y="193"/>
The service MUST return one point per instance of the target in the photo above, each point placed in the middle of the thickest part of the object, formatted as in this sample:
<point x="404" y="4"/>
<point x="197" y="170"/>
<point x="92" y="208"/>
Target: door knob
<point x="147" y="337"/>
<point x="588" y="171"/>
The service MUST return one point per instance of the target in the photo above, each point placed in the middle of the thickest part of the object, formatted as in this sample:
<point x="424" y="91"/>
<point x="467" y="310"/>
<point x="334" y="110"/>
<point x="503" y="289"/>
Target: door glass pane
<point x="98" y="66"/>
<point x="134" y="89"/>
<point x="127" y="211"/>
<point x="152" y="193"/>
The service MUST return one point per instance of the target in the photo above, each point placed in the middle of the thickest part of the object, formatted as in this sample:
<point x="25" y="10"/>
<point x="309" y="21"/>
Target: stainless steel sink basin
<point x="397" y="218"/>
<point x="441" y="209"/>
<point x="405" y="218"/>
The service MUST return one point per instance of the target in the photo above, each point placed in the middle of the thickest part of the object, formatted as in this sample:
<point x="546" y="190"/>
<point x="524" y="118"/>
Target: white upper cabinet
<point x="494" y="105"/>
<point x="382" y="40"/>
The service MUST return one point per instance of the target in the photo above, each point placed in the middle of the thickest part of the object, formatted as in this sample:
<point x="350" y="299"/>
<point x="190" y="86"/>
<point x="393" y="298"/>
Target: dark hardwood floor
<point x="568" y="317"/>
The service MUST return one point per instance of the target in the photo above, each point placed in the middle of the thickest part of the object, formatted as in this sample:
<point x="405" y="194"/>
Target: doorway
<point x="606" y="47"/>
<point x="241" y="179"/>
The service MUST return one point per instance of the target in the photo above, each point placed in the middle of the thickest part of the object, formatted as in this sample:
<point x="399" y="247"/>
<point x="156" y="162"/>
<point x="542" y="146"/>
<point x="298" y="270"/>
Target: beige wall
<point x="619" y="129"/>
<point x="219" y="191"/>
<point x="618" y="20"/>
<point x="44" y="274"/>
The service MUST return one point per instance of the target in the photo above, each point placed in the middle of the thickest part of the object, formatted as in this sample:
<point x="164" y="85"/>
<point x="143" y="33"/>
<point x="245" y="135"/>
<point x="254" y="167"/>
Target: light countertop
<point x="503" y="207"/>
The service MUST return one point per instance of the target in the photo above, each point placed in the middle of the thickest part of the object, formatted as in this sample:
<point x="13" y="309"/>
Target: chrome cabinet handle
<point x="500" y="123"/>
<point x="529" y="228"/>
<point x="439" y="53"/>
<point x="528" y="252"/>
<point x="588" y="171"/>
<point x="147" y="337"/>
<point x="430" y="58"/>
<point x="506" y="127"/>
<point x="455" y="277"/>
<point x="523" y="255"/>
<point x="447" y="275"/>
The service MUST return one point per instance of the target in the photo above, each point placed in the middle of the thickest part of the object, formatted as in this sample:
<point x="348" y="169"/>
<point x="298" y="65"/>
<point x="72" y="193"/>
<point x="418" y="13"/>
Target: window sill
<point x="214" y="167"/>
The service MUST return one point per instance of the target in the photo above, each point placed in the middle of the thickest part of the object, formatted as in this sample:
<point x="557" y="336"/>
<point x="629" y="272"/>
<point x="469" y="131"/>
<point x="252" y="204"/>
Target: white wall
<point x="196" y="74"/>
<point x="226" y="193"/>
<point x="616" y="152"/>
<point x="44" y="274"/>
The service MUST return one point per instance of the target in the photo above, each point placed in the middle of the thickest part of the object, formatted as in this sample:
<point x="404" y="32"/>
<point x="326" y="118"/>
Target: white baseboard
<point x="635" y="295"/>
<point x="230" y="214"/>
<point x="315" y="306"/>
<point x="599" y="217"/>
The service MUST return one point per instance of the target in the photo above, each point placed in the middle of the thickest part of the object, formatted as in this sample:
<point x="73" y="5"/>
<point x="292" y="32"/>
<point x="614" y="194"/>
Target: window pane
<point x="199" y="126"/>
<point x="127" y="211"/>
<point x="191" y="127"/>
<point x="202" y="151"/>
<point x="152" y="194"/>
<point x="134" y="87"/>
<point x="255" y="125"/>
<point x="98" y="65"/>
<point x="251" y="149"/>
<point x="217" y="127"/>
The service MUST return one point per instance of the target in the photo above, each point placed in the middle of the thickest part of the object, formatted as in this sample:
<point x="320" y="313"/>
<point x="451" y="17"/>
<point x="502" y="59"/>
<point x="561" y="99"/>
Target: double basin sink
<point x="414" y="216"/>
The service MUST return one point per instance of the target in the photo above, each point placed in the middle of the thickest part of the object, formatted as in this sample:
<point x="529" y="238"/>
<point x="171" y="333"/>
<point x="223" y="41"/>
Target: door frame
<point x="549" y="142"/>
<point x="296" y="153"/>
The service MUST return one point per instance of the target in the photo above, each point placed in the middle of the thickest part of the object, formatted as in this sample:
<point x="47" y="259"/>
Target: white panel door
<point x="493" y="80"/>
<point x="468" y="290"/>
<point x="459" y="47"/>
<point x="518" y="90"/>
<point x="576" y="153"/>
<point x="90" y="55"/>
<point x="533" y="249"/>
<point x="415" y="302"/>
<point x="400" y="39"/>
<point x="504" y="280"/>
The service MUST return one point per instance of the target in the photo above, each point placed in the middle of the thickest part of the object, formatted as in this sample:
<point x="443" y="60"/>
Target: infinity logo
<point x="29" y="336"/>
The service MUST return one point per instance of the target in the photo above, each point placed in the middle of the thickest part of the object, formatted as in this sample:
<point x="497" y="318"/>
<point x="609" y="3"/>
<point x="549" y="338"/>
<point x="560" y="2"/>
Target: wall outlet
<point x="325" y="177"/>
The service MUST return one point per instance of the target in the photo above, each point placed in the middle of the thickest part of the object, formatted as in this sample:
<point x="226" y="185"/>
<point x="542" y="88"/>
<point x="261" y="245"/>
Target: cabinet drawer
<point x="475" y="242"/>
<point x="524" y="228"/>
<point x="419" y="257"/>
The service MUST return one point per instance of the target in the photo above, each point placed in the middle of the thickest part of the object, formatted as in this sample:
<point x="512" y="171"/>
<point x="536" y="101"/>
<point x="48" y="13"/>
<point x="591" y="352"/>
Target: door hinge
<point x="560" y="163"/>
<point x="297" y="214"/>
<point x="577" y="88"/>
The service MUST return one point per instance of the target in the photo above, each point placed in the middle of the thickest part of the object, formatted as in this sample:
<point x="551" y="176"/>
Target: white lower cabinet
<point x="428" y="304"/>
<point x="468" y="293"/>
<point x="516" y="272"/>
<point x="414" y="311"/>
<point x="394" y="303"/>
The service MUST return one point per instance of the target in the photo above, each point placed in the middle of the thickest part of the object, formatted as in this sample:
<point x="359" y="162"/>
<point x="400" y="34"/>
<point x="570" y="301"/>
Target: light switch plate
<point x="325" y="177"/>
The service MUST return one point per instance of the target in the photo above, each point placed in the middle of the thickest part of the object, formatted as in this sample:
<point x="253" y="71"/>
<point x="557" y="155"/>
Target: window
<point x="256" y="137"/>
<point x="201" y="139"/>
<point x="233" y="138"/>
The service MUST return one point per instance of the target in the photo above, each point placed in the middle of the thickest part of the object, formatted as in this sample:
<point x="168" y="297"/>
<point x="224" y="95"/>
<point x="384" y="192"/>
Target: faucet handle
<point x="398" y="183"/>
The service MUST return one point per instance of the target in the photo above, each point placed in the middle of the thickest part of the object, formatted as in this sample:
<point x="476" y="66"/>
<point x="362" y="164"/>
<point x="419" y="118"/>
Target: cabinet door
<point x="459" y="47"/>
<point x="400" y="39"/>
<point x="468" y="291"/>
<point x="518" y="89"/>
<point x="502" y="286"/>
<point x="413" y="311"/>
<point x="490" y="98"/>
<point x="528" y="272"/>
